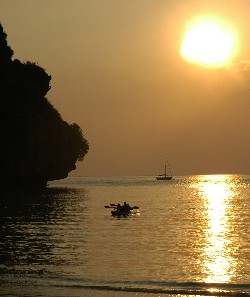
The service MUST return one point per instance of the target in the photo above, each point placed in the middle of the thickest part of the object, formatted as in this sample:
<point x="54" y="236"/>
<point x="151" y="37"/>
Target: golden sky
<point x="117" y="72"/>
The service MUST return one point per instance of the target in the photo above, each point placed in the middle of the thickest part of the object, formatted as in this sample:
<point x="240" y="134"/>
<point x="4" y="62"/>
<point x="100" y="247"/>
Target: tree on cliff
<point x="36" y="144"/>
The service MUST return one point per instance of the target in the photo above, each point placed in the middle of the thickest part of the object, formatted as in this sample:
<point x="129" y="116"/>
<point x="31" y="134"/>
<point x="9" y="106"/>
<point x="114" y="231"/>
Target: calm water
<point x="191" y="238"/>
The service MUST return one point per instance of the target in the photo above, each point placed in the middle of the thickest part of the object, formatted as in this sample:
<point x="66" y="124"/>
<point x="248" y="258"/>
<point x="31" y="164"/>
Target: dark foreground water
<point x="192" y="237"/>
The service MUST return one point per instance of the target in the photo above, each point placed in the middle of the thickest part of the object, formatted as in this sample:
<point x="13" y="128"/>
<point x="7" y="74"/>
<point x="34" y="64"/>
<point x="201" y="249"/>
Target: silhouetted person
<point x="126" y="207"/>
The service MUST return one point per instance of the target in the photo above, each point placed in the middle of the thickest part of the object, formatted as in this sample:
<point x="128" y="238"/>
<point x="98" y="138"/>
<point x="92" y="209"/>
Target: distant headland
<point x="36" y="145"/>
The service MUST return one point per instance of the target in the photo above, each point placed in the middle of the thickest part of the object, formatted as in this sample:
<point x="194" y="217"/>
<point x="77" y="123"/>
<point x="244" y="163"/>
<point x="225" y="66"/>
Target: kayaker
<point x="126" y="207"/>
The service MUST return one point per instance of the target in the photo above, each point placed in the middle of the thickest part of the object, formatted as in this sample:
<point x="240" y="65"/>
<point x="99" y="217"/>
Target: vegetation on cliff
<point x="36" y="145"/>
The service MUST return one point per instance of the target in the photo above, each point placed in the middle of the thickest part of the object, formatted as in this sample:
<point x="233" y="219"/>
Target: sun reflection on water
<point x="217" y="192"/>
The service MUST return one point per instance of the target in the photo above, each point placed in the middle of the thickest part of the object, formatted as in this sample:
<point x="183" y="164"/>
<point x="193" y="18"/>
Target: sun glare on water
<point x="208" y="42"/>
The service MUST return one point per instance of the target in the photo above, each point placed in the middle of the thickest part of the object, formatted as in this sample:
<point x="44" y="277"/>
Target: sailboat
<point x="165" y="176"/>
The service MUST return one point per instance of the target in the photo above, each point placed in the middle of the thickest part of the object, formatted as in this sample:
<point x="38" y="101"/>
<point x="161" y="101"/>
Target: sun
<point x="209" y="42"/>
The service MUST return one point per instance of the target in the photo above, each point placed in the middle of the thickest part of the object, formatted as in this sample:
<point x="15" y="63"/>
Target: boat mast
<point x="169" y="169"/>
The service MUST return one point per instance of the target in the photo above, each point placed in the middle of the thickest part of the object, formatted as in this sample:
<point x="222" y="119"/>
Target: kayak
<point x="123" y="210"/>
<point x="121" y="213"/>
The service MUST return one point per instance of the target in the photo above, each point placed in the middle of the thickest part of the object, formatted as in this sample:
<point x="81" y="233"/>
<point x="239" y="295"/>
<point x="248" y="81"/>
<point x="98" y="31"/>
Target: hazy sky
<point x="117" y="72"/>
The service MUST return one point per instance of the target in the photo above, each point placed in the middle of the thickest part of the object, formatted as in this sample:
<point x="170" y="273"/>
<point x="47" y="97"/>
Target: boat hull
<point x="119" y="213"/>
<point x="164" y="177"/>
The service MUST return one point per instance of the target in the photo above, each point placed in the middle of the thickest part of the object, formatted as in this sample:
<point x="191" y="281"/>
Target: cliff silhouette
<point x="36" y="144"/>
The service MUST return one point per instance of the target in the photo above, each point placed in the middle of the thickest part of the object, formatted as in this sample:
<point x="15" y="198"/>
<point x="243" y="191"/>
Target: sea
<point x="191" y="237"/>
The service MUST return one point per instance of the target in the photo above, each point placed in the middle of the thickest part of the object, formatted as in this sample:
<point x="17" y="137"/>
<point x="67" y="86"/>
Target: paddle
<point x="114" y="205"/>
